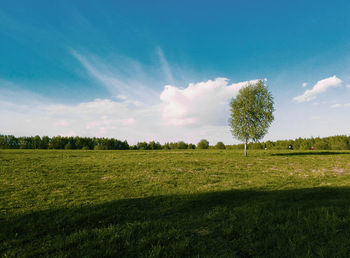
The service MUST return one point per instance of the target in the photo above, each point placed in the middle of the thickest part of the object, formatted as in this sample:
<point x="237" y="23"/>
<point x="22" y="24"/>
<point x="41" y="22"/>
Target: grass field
<point x="200" y="203"/>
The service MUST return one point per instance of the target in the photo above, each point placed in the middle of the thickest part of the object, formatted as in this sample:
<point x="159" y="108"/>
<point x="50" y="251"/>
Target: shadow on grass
<point x="292" y="153"/>
<point x="302" y="222"/>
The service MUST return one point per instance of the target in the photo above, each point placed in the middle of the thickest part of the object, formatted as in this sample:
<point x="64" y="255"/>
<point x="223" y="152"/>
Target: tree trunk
<point x="245" y="149"/>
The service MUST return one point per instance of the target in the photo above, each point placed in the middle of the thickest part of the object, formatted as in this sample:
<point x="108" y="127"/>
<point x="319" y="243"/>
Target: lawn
<point x="191" y="203"/>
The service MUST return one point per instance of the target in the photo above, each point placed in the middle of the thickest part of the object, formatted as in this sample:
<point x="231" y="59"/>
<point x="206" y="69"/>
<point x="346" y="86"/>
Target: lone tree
<point x="251" y="113"/>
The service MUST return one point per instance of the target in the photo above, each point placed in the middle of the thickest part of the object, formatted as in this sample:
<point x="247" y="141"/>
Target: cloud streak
<point x="340" y="105"/>
<point x="165" y="66"/>
<point x="112" y="79"/>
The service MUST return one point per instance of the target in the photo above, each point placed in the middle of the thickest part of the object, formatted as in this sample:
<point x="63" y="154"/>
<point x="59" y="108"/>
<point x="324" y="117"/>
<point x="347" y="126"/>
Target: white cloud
<point x="200" y="103"/>
<point x="100" y="117"/>
<point x="304" y="84"/>
<point x="319" y="87"/>
<point x="340" y="105"/>
<point x="348" y="86"/>
<point x="204" y="104"/>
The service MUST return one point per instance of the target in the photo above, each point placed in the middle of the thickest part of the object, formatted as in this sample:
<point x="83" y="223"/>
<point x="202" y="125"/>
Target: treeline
<point x="167" y="146"/>
<point x="340" y="142"/>
<point x="87" y="143"/>
<point x="60" y="142"/>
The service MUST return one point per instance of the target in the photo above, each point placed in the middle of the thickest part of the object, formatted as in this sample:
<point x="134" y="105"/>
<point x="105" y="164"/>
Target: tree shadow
<point x="237" y="223"/>
<point x="293" y="153"/>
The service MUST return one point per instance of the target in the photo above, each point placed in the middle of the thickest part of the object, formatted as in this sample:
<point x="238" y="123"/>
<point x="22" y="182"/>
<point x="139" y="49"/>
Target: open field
<point x="174" y="203"/>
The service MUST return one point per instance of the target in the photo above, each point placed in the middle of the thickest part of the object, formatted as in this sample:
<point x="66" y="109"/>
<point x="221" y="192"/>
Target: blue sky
<point x="153" y="70"/>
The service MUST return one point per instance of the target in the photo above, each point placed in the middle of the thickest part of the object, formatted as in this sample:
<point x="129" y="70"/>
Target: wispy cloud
<point x="131" y="83"/>
<point x="165" y="66"/>
<point x="304" y="84"/>
<point x="320" y="87"/>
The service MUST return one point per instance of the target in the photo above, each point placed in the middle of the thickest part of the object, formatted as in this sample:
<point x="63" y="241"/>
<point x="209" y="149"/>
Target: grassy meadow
<point x="189" y="203"/>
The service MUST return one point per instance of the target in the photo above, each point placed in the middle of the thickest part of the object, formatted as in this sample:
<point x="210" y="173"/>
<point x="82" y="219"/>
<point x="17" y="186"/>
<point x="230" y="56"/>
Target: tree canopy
<point x="251" y="113"/>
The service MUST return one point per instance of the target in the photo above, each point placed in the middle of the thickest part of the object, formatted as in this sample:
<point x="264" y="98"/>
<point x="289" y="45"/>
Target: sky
<point x="167" y="70"/>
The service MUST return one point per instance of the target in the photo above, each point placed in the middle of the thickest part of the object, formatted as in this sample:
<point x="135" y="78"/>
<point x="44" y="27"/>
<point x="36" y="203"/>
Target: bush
<point x="182" y="145"/>
<point x="191" y="146"/>
<point x="203" y="144"/>
<point x="100" y="147"/>
<point x="220" y="146"/>
<point x="68" y="146"/>
<point x="154" y="145"/>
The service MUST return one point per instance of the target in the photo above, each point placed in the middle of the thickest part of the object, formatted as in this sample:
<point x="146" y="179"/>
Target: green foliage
<point x="155" y="145"/>
<point x="182" y="145"/>
<point x="37" y="142"/>
<point x="143" y="146"/>
<point x="251" y="113"/>
<point x="100" y="147"/>
<point x="203" y="144"/>
<point x="340" y="142"/>
<point x="191" y="146"/>
<point x="178" y="146"/>
<point x="201" y="203"/>
<point x="69" y="146"/>
<point x="59" y="142"/>
<point x="220" y="145"/>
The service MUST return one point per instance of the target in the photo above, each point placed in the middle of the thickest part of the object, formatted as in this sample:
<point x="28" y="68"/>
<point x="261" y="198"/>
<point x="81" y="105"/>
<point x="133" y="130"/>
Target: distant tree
<point x="142" y="146"/>
<point x="26" y="142"/>
<point x="155" y="145"/>
<point x="36" y="142"/>
<point x="203" y="144"/>
<point x="172" y="145"/>
<point x="68" y="146"/>
<point x="182" y="145"/>
<point x="100" y="147"/>
<point x="256" y="145"/>
<point x="3" y="142"/>
<point x="220" y="145"/>
<point x="44" y="144"/>
<point x="56" y="142"/>
<point x="166" y="146"/>
<point x="125" y="145"/>
<point x="191" y="146"/>
<point x="321" y="144"/>
<point x="133" y="147"/>
<point x="12" y="142"/>
<point x="251" y="113"/>
<point x="305" y="145"/>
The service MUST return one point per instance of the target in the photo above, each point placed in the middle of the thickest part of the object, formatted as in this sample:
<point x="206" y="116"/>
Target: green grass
<point x="192" y="203"/>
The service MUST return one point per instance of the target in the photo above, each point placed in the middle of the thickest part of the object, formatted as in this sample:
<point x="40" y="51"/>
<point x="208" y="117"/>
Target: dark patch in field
<point x="292" y="153"/>
<point x="237" y="223"/>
